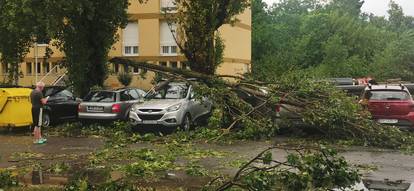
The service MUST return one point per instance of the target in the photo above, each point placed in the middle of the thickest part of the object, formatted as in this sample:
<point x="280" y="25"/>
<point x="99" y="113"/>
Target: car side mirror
<point x="192" y="96"/>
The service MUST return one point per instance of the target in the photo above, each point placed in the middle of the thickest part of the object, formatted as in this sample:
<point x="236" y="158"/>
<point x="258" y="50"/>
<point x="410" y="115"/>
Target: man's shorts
<point x="35" y="116"/>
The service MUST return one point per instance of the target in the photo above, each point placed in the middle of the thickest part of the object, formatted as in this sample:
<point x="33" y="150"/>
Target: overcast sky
<point x="379" y="7"/>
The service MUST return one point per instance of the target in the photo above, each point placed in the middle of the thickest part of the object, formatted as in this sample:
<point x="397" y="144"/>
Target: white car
<point x="173" y="104"/>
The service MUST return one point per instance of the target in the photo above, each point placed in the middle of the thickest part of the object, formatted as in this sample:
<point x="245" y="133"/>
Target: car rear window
<point x="101" y="96"/>
<point x="387" y="95"/>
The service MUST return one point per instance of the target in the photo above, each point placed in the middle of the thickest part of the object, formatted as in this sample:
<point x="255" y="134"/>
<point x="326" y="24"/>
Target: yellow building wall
<point x="237" y="54"/>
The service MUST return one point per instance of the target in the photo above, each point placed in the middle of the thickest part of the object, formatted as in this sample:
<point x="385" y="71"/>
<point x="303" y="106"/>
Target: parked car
<point x="280" y="113"/>
<point x="173" y="104"/>
<point x="109" y="104"/>
<point x="62" y="105"/>
<point x="390" y="104"/>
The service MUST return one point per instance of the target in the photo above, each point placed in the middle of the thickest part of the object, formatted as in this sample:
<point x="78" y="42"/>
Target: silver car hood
<point x="159" y="103"/>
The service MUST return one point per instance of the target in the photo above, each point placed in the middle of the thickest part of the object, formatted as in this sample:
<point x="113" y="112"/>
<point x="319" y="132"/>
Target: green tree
<point x="199" y="21"/>
<point x="85" y="34"/>
<point x="328" y="40"/>
<point x="20" y="26"/>
<point x="397" y="60"/>
<point x="350" y="7"/>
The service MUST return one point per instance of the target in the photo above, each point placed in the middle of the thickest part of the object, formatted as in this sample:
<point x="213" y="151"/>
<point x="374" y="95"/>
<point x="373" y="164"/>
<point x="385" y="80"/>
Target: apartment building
<point x="147" y="37"/>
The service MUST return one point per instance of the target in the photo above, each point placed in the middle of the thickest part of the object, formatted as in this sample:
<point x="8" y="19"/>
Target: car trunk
<point x="389" y="108"/>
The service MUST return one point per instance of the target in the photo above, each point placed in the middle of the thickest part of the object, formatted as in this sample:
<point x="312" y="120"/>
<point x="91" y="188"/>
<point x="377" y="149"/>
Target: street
<point x="18" y="150"/>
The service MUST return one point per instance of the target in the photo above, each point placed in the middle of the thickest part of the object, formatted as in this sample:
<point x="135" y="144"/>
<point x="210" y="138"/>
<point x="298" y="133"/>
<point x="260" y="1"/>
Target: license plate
<point x="150" y="122"/>
<point x="95" y="108"/>
<point x="388" y="121"/>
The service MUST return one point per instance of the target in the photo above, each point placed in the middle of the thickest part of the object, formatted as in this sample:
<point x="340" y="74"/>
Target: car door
<point x="71" y="104"/>
<point x="195" y="104"/>
<point x="66" y="105"/>
<point x="53" y="107"/>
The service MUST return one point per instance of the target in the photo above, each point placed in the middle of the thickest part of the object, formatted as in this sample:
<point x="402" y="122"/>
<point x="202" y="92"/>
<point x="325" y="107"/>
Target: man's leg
<point x="35" y="116"/>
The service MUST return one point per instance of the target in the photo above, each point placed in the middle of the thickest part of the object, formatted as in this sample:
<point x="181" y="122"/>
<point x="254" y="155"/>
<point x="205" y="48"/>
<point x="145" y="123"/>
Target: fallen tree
<point x="249" y="106"/>
<point x="303" y="169"/>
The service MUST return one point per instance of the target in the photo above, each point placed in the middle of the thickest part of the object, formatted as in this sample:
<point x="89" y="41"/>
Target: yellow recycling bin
<point x="15" y="107"/>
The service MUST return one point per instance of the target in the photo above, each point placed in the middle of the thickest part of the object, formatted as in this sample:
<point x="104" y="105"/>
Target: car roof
<point x="386" y="87"/>
<point x="116" y="90"/>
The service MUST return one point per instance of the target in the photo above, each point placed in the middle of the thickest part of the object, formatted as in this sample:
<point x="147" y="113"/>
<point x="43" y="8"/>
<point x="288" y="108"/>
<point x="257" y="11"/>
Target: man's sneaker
<point x="43" y="140"/>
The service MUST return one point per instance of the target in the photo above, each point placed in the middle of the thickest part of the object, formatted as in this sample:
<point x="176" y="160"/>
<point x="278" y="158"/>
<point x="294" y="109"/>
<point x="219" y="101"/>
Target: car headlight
<point x="174" y="107"/>
<point x="133" y="109"/>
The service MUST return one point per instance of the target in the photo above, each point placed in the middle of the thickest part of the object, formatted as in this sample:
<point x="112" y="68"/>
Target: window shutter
<point x="166" y="35"/>
<point x="131" y="35"/>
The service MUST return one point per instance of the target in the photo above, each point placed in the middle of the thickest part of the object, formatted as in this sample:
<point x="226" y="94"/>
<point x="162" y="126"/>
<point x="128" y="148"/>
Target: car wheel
<point x="186" y="124"/>
<point x="45" y="119"/>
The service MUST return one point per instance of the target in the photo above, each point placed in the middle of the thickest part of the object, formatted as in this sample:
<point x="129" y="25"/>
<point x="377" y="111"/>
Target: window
<point x="184" y="65"/>
<point x="101" y="96"/>
<point x="64" y="94"/>
<point x="131" y="39"/>
<point x="134" y="94"/>
<point x="135" y="70"/>
<point x="387" y="95"/>
<point x="124" y="96"/>
<point x="167" y="39"/>
<point x="116" y="68"/>
<point x="29" y="70"/>
<point x="168" y="6"/>
<point x="38" y="68"/>
<point x="141" y="93"/>
<point x="46" y="67"/>
<point x="173" y="49"/>
<point x="176" y="91"/>
<point x="174" y="64"/>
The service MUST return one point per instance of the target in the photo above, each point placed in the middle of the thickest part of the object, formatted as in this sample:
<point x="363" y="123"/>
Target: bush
<point x="7" y="180"/>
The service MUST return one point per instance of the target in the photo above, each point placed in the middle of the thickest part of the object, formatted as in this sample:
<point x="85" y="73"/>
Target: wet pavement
<point x="55" y="148"/>
<point x="386" y="164"/>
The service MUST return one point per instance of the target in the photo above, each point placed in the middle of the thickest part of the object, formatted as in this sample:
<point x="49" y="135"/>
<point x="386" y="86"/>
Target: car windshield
<point x="387" y="95"/>
<point x="176" y="91"/>
<point x="101" y="96"/>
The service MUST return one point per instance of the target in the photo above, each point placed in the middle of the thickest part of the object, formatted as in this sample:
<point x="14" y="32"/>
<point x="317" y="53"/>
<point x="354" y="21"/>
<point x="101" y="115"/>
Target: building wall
<point x="237" y="56"/>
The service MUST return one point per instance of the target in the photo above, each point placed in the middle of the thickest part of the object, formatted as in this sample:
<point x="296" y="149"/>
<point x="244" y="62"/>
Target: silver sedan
<point x="109" y="105"/>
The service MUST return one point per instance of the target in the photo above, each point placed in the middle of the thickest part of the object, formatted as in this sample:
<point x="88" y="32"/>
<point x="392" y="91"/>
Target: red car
<point x="390" y="104"/>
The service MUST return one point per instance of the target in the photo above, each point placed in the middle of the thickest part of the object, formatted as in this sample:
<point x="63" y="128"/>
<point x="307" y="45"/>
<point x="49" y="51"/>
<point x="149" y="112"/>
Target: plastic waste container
<point x="15" y="107"/>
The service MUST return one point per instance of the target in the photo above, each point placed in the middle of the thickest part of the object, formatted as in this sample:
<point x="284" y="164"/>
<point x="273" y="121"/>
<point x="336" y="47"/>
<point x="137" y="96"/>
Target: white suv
<point x="173" y="104"/>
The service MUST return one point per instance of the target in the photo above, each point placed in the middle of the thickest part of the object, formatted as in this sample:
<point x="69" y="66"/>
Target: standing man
<point x="38" y="101"/>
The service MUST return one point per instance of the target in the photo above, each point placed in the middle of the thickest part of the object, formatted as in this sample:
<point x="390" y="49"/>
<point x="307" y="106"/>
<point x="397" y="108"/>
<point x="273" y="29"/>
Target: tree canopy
<point x="198" y="22"/>
<point x="334" y="39"/>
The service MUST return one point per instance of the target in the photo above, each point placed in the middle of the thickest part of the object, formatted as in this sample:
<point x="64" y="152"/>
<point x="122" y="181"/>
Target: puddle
<point x="373" y="185"/>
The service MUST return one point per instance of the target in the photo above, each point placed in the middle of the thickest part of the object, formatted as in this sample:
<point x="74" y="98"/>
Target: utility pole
<point x="36" y="52"/>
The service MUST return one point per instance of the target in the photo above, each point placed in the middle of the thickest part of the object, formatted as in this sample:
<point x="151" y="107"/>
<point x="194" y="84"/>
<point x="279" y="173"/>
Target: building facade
<point x="147" y="37"/>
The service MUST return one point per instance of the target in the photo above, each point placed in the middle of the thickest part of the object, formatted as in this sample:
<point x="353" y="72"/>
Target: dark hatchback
<point x="61" y="106"/>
